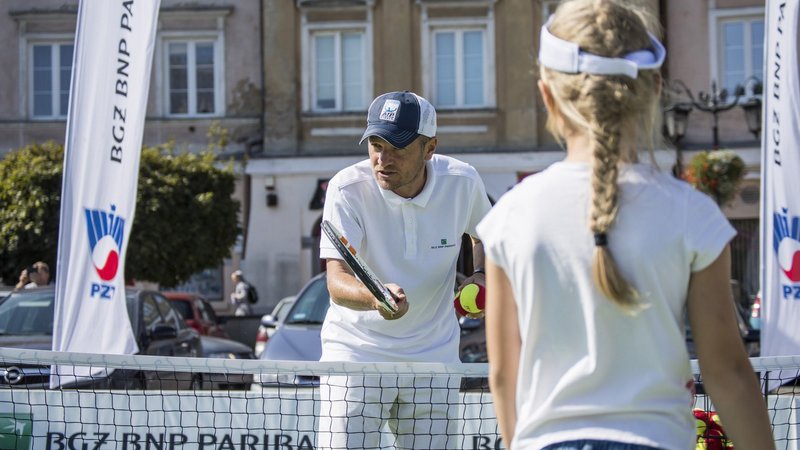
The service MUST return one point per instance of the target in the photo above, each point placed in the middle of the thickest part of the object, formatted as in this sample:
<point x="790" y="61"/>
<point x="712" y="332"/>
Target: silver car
<point x="297" y="336"/>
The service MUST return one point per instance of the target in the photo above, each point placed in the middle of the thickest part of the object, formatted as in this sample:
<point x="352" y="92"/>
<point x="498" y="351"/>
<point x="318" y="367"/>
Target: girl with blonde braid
<point x="592" y="263"/>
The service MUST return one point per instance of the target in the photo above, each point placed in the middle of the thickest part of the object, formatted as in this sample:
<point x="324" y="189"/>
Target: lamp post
<point x="676" y="112"/>
<point x="676" y="117"/>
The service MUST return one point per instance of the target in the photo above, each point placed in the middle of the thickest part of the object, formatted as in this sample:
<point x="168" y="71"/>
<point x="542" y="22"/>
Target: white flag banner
<point x="114" y="42"/>
<point x="780" y="180"/>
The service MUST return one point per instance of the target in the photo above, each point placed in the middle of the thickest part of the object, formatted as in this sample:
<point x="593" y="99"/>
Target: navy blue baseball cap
<point x="399" y="118"/>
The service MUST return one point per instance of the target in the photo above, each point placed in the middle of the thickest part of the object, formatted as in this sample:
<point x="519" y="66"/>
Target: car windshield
<point x="27" y="312"/>
<point x="312" y="305"/>
<point x="185" y="308"/>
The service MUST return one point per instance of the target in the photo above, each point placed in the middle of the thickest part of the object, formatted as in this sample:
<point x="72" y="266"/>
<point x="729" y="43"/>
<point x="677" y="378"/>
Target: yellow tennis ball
<point x="472" y="298"/>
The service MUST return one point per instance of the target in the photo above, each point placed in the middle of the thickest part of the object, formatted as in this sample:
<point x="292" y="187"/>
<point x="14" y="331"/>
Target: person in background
<point x="592" y="262"/>
<point x="36" y="275"/>
<point x="240" y="295"/>
<point x="405" y="210"/>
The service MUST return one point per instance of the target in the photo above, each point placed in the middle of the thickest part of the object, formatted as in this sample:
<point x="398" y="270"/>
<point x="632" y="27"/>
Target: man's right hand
<point x="399" y="298"/>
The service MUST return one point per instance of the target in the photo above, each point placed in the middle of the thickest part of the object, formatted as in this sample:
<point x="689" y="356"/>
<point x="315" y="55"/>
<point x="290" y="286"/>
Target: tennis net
<point x="149" y="402"/>
<point x="160" y="403"/>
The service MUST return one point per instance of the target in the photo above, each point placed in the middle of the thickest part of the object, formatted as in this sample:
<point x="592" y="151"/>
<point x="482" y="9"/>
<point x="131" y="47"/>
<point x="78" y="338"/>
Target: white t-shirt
<point x="413" y="243"/>
<point x="587" y="370"/>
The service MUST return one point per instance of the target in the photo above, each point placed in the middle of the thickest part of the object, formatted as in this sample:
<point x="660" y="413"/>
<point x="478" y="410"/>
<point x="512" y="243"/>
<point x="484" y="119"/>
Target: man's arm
<point x="478" y="265"/>
<point x="348" y="291"/>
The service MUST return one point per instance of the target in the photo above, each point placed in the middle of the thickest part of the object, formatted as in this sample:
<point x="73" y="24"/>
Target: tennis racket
<point x="359" y="267"/>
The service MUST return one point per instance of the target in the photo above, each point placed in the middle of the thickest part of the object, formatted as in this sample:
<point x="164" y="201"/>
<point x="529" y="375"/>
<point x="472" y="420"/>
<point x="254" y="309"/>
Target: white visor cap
<point x="567" y="57"/>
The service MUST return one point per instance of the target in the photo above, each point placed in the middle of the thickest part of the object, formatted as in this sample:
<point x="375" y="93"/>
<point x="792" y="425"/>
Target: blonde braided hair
<point x="609" y="109"/>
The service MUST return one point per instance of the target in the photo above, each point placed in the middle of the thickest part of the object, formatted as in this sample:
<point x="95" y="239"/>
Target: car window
<point x="206" y="311"/>
<point x="170" y="314"/>
<point x="150" y="314"/>
<point x="312" y="305"/>
<point x="27" y="313"/>
<point x="282" y="308"/>
<point x="184" y="308"/>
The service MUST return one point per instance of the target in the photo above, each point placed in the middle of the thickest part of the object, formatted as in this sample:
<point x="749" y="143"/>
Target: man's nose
<point x="385" y="157"/>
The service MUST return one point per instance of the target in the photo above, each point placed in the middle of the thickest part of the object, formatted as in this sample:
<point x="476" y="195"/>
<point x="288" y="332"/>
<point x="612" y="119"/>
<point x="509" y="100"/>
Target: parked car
<point x="26" y="321"/>
<point x="269" y="323"/>
<point x="297" y="337"/>
<point x="215" y="347"/>
<point x="198" y="313"/>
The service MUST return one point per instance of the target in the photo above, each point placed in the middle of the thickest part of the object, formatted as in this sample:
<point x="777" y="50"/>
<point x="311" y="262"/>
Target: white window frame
<point x="432" y="26"/>
<point x="719" y="17"/>
<point x="337" y="34"/>
<point x="216" y="38"/>
<point x="26" y="50"/>
<point x="308" y="63"/>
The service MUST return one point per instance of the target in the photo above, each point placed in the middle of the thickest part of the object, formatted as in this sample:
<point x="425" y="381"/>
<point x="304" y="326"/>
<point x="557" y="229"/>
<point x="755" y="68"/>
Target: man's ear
<point x="430" y="148"/>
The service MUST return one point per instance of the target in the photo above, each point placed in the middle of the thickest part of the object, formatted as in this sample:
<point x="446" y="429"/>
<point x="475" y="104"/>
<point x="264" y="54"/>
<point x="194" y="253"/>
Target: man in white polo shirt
<point x="405" y="210"/>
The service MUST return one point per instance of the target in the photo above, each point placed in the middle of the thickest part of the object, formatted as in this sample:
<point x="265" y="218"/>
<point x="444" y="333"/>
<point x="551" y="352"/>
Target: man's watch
<point x="479" y="270"/>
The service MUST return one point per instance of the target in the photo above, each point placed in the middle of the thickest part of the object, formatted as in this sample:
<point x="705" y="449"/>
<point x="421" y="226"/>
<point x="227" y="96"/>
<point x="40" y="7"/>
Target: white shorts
<point x="356" y="411"/>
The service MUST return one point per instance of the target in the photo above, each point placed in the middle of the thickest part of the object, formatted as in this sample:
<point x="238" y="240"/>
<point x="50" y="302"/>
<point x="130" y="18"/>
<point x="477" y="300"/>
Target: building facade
<point x="291" y="81"/>
<point x="206" y="75"/>
<point x="721" y="43"/>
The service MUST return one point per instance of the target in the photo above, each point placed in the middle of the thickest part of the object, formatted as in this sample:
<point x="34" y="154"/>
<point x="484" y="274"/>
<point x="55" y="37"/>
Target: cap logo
<point x="390" y="110"/>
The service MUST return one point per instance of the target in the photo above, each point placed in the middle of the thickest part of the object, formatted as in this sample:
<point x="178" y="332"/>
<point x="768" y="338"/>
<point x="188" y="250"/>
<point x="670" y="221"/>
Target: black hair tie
<point x="600" y="239"/>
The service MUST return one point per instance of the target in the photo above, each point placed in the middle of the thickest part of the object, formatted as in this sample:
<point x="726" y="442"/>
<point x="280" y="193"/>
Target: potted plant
<point x="718" y="173"/>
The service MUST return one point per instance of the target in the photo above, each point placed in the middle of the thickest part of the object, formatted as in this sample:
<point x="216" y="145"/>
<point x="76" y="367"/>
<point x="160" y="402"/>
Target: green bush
<point x="186" y="218"/>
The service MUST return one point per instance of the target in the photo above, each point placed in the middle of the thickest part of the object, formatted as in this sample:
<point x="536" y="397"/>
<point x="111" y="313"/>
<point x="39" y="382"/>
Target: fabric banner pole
<point x="114" y="42"/>
<point x="780" y="182"/>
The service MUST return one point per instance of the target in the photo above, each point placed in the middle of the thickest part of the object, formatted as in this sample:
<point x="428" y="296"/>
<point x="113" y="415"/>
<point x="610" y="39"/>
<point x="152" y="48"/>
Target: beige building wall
<point x="238" y="21"/>
<point x="691" y="32"/>
<point x="234" y="24"/>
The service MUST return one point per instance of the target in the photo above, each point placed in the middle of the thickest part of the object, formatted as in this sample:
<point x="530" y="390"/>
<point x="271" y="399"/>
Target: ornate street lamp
<point x="676" y="117"/>
<point x="715" y="102"/>
<point x="676" y="113"/>
<point x="752" y="112"/>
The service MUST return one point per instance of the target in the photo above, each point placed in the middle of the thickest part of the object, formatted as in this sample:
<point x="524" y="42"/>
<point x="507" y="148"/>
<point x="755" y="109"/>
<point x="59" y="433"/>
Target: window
<point x="740" y="46"/>
<point x="460" y="63"/>
<point x="193" y="79"/>
<point x="458" y="57"/>
<point x="169" y="314"/>
<point x="336" y="49"/>
<point x="50" y="73"/>
<point x="338" y="71"/>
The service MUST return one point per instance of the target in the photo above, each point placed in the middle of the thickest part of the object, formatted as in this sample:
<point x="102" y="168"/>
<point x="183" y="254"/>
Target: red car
<point x="197" y="312"/>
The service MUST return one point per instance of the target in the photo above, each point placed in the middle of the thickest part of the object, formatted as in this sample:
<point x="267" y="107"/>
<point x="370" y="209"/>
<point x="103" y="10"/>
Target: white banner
<point x="114" y="43"/>
<point x="780" y="179"/>
<point x="197" y="420"/>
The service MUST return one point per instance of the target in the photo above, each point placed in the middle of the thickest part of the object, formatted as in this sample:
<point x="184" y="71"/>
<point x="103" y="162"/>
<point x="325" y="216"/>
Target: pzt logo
<point x="787" y="249"/>
<point x="105" y="230"/>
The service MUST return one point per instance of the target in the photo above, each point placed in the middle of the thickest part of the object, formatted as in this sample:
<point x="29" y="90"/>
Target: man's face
<point x="400" y="170"/>
<point x="44" y="275"/>
<point x="34" y="276"/>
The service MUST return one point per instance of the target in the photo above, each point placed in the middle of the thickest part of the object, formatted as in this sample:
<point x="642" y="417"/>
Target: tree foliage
<point x="186" y="218"/>
<point x="30" y="198"/>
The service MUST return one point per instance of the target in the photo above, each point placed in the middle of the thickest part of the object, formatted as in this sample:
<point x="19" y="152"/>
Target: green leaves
<point x="186" y="219"/>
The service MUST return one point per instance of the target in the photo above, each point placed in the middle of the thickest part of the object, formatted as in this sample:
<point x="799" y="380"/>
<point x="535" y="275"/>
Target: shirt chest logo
<point x="443" y="243"/>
